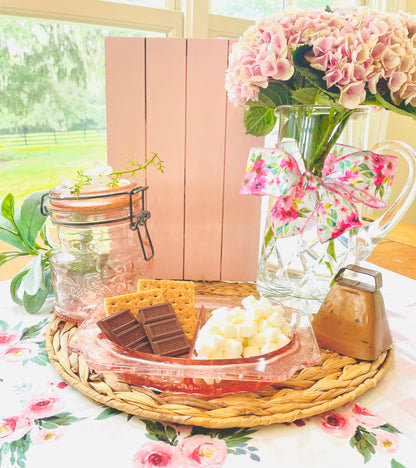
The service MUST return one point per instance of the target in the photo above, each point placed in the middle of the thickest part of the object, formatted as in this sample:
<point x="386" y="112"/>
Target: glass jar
<point x="99" y="254"/>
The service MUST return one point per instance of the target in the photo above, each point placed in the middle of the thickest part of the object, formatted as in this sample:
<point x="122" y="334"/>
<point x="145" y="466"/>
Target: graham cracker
<point x="133" y="301"/>
<point x="181" y="294"/>
<point x="184" y="286"/>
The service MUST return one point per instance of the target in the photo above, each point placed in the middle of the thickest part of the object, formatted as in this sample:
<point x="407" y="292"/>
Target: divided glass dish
<point x="190" y="375"/>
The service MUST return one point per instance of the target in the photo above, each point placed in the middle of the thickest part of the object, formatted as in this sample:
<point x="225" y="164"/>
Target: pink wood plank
<point x="165" y="127"/>
<point x="206" y="103"/>
<point x="241" y="224"/>
<point x="125" y="95"/>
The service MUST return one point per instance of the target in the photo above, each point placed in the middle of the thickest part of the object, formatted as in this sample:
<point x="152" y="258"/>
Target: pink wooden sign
<point x="167" y="96"/>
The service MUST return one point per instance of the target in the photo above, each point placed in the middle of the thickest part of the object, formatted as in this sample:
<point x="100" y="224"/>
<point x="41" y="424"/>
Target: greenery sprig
<point x="112" y="178"/>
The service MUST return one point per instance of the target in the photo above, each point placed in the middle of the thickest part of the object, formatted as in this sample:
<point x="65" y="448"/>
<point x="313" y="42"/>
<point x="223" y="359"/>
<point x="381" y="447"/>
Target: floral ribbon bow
<point x="349" y="176"/>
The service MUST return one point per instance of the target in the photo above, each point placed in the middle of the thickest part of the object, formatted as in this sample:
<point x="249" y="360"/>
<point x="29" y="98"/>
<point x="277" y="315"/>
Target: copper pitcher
<point x="352" y="319"/>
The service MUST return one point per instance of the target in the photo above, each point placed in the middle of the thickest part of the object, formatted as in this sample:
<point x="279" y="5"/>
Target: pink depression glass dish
<point x="199" y="376"/>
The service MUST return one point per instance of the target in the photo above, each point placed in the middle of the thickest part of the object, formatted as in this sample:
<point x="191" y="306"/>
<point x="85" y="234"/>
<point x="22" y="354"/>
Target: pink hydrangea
<point x="356" y="50"/>
<point x="200" y="450"/>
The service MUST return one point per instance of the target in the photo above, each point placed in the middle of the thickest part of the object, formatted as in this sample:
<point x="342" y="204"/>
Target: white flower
<point x="100" y="174"/>
<point x="68" y="187"/>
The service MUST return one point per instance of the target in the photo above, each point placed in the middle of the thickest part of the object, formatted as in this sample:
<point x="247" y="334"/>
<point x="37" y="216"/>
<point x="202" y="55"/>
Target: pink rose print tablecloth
<point x="46" y="423"/>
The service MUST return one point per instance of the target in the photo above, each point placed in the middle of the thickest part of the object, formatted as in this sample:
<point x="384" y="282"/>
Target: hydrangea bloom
<point x="360" y="54"/>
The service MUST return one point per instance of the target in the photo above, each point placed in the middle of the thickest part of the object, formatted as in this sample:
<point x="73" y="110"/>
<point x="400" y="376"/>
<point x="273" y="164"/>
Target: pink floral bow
<point x="349" y="176"/>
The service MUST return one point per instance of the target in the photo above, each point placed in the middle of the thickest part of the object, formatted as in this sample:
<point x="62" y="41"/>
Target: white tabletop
<point x="45" y="423"/>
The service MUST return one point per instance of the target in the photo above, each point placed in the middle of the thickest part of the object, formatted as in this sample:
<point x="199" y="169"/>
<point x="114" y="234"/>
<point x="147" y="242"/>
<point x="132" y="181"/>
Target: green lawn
<point x="23" y="171"/>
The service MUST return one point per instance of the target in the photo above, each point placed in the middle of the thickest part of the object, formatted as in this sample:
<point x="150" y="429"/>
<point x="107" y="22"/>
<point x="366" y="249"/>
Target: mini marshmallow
<point x="233" y="349"/>
<point x="220" y="312"/>
<point x="207" y="344"/>
<point x="276" y="319"/>
<point x="250" y="351"/>
<point x="254" y="314"/>
<point x="263" y="324"/>
<point x="282" y="340"/>
<point x="217" y="354"/>
<point x="248" y="302"/>
<point x="271" y="334"/>
<point x="265" y="306"/>
<point x="286" y="329"/>
<point x="246" y="329"/>
<point x="257" y="340"/>
<point x="270" y="347"/>
<point x="228" y="330"/>
<point x="239" y="315"/>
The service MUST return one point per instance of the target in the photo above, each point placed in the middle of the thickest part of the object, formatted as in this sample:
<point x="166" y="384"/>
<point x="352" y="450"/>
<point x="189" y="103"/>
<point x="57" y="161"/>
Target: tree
<point x="51" y="74"/>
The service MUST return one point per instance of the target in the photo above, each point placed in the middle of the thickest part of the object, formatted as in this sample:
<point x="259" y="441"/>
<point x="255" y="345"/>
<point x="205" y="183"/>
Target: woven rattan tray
<point x="314" y="390"/>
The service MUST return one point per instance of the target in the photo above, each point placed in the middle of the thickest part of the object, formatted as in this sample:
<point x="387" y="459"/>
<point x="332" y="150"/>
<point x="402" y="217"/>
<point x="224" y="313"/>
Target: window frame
<point x="179" y="18"/>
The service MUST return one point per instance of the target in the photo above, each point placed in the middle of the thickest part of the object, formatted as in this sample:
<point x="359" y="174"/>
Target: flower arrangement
<point x="341" y="57"/>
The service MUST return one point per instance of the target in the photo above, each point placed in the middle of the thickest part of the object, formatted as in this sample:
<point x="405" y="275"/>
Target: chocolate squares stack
<point x="156" y="330"/>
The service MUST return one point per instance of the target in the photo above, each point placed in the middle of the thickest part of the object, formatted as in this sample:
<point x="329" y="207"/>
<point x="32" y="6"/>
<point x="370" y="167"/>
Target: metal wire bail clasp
<point x="140" y="219"/>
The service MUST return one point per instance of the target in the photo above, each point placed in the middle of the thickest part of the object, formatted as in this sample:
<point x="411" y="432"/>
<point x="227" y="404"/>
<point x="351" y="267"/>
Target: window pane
<point x="318" y="3"/>
<point x="52" y="94"/>
<point x="250" y="9"/>
<point x="147" y="3"/>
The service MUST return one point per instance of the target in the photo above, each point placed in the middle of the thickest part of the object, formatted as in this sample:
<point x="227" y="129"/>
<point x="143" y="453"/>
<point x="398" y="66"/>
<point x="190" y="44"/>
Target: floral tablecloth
<point x="44" y="422"/>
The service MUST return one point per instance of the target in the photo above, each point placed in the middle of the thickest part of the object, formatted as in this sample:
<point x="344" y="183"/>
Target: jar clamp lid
<point x="105" y="199"/>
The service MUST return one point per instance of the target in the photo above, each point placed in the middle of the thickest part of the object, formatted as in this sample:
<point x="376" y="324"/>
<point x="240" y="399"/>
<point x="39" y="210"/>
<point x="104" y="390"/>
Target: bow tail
<point x="334" y="216"/>
<point x="291" y="213"/>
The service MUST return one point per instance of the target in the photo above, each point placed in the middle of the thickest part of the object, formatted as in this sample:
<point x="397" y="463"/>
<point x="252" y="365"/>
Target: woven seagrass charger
<point x="335" y="381"/>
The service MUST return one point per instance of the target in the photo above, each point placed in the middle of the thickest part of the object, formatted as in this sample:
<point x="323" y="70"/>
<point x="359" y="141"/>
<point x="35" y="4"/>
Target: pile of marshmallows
<point x="257" y="328"/>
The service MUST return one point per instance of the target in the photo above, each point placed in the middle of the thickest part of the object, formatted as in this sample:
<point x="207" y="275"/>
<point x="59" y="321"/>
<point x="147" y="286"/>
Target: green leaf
<point x="276" y="94"/>
<point x="15" y="284"/>
<point x="330" y="250"/>
<point x="62" y="419"/>
<point x="7" y="208"/>
<point x="34" y="330"/>
<point x="45" y="236"/>
<point x="396" y="464"/>
<point x="9" y="236"/>
<point x="4" y="325"/>
<point x="32" y="282"/>
<point x="107" y="413"/>
<point x="259" y="121"/>
<point x="171" y="433"/>
<point x="402" y="109"/>
<point x="31" y="219"/>
<point x="33" y="303"/>
<point x="314" y="77"/>
<point x="389" y="428"/>
<point x="311" y="96"/>
<point x="48" y="424"/>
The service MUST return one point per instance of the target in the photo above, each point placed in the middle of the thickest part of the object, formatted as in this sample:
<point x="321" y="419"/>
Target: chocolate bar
<point x="124" y="330"/>
<point x="163" y="329"/>
<point x="155" y="313"/>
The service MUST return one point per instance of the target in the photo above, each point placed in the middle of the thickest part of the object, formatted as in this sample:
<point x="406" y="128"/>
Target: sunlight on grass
<point x="23" y="171"/>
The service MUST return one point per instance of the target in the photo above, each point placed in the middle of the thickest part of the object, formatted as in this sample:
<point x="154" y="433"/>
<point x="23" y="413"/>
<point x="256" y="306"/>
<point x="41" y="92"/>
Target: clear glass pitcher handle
<point x="381" y="226"/>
